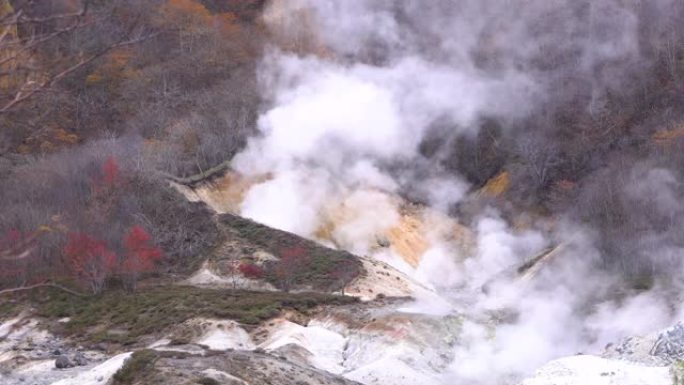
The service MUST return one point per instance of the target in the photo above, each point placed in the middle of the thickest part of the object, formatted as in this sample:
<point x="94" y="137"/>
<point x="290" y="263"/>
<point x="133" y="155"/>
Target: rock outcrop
<point x="654" y="359"/>
<point x="593" y="370"/>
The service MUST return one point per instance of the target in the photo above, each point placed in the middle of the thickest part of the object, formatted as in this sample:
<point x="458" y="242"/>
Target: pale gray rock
<point x="80" y="360"/>
<point x="670" y="344"/>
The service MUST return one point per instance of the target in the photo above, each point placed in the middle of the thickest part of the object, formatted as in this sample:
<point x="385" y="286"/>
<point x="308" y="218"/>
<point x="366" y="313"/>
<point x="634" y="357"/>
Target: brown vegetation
<point x="169" y="88"/>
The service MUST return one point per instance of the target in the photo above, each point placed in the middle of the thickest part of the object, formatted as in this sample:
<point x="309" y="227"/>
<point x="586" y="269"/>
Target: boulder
<point x="80" y="360"/>
<point x="63" y="362"/>
<point x="656" y="349"/>
<point x="635" y="349"/>
<point x="670" y="344"/>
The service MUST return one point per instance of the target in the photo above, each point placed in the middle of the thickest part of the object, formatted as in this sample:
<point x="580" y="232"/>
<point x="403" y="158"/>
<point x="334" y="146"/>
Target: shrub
<point x="251" y="270"/>
<point x="140" y="256"/>
<point x="90" y="260"/>
<point x="136" y="364"/>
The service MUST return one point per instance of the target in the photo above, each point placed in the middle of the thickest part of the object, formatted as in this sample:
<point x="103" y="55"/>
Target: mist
<point x="361" y="87"/>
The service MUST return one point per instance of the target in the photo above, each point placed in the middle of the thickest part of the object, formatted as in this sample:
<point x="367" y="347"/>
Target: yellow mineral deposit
<point x="225" y="194"/>
<point x="409" y="236"/>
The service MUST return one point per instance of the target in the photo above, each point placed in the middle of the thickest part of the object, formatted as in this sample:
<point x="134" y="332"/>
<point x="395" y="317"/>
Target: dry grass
<point x="496" y="186"/>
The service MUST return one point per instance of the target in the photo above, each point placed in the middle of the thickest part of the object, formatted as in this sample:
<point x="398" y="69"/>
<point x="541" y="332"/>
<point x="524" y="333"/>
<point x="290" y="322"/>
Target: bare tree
<point x="24" y="72"/>
<point x="539" y="158"/>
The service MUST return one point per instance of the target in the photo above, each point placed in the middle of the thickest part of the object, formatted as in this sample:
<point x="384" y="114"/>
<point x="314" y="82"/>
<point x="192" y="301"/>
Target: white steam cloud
<point x="344" y="126"/>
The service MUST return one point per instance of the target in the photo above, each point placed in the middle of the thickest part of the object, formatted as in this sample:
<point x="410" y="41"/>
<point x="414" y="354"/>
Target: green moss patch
<point x="120" y="318"/>
<point x="323" y="269"/>
<point x="137" y="364"/>
<point x="8" y="309"/>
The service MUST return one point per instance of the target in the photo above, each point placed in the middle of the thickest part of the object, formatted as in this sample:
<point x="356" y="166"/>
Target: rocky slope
<point x="654" y="359"/>
<point x="360" y="344"/>
<point x="212" y="330"/>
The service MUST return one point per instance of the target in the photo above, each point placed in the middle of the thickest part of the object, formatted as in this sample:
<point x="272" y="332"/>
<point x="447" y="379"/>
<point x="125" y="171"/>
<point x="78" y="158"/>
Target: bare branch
<point x="20" y="251"/>
<point x="31" y="88"/>
<point x="19" y="17"/>
<point x="43" y="284"/>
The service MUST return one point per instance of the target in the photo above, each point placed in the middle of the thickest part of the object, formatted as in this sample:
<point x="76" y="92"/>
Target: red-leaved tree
<point x="250" y="270"/>
<point x="109" y="177"/>
<point x="111" y="174"/>
<point x="106" y="189"/>
<point x="292" y="261"/>
<point x="89" y="259"/>
<point x="140" y="256"/>
<point x="10" y="238"/>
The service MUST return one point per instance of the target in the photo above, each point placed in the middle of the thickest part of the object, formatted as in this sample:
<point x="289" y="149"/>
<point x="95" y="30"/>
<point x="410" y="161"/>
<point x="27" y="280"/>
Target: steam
<point x="363" y="86"/>
<point x="348" y="121"/>
<point x="570" y="308"/>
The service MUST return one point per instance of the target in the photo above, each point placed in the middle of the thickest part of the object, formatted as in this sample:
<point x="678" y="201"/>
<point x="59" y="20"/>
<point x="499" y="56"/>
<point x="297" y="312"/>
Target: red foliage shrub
<point x="110" y="172"/>
<point x="292" y="260"/>
<point x="109" y="178"/>
<point x="10" y="238"/>
<point x="251" y="270"/>
<point x="140" y="255"/>
<point x="89" y="260"/>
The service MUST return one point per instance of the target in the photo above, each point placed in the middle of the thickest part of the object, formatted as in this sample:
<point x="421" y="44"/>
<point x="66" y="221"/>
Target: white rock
<point x="224" y="335"/>
<point x="391" y="370"/>
<point x="7" y="326"/>
<point x="593" y="370"/>
<point x="98" y="374"/>
<point x="326" y="346"/>
<point x="206" y="277"/>
<point x="381" y="278"/>
<point x="159" y="343"/>
<point x="223" y="376"/>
